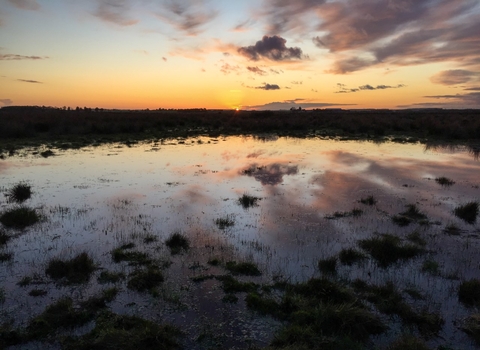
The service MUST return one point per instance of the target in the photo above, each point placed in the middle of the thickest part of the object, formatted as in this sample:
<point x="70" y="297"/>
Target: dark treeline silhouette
<point x="51" y="123"/>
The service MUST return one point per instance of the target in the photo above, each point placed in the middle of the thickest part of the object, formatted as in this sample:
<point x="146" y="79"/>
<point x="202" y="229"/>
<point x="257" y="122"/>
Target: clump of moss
<point x="177" y="242"/>
<point x="19" y="218"/>
<point x="328" y="266"/>
<point x="248" y="201"/>
<point x="19" y="193"/>
<point x="350" y="256"/>
<point x="74" y="271"/>
<point x="469" y="292"/>
<point x="243" y="268"/>
<point x="145" y="280"/>
<point x="114" y="331"/>
<point x="467" y="212"/>
<point x="388" y="249"/>
<point x="444" y="181"/>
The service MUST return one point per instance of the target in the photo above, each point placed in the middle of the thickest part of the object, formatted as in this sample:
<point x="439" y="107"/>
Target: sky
<point x="248" y="54"/>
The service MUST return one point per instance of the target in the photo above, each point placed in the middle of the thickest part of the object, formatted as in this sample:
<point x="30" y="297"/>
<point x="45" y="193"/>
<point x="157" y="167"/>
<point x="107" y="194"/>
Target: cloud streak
<point x="6" y="101"/>
<point x="268" y="87"/>
<point x="299" y="102"/>
<point x="29" y="81"/>
<point x="13" y="57"/>
<point x="453" y="77"/>
<point x="31" y="5"/>
<point x="343" y="89"/>
<point x="115" y="11"/>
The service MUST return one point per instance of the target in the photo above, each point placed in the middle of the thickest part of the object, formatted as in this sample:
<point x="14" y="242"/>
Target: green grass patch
<point x="416" y="237"/>
<point x="350" y="256"/>
<point x="469" y="292"/>
<point x="19" y="218"/>
<point x="77" y="270"/>
<point x="243" y="268"/>
<point x="110" y="277"/>
<point x="225" y="222"/>
<point x="177" y="242"/>
<point x="388" y="249"/>
<point x="145" y="280"/>
<point x="467" y="212"/>
<point x="328" y="266"/>
<point x="444" y="181"/>
<point x="248" y="201"/>
<point x="124" y="332"/>
<point x="19" y="193"/>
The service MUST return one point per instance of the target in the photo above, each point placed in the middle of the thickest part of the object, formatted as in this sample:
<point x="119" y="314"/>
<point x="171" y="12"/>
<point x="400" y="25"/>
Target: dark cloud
<point x="30" y="81"/>
<point x="475" y="88"/>
<point x="471" y="99"/>
<point x="115" y="11"/>
<point x="188" y="16"/>
<point x="453" y="77"/>
<point x="271" y="174"/>
<point x="25" y="4"/>
<point x="257" y="70"/>
<point x="266" y="86"/>
<point x="6" y="101"/>
<point x="12" y="57"/>
<point x="276" y="71"/>
<point x="272" y="48"/>
<point x="343" y="89"/>
<point x="288" y="104"/>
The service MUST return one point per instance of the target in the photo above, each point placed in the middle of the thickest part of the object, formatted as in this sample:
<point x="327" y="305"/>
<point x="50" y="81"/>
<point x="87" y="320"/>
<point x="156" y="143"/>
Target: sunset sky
<point x="249" y="54"/>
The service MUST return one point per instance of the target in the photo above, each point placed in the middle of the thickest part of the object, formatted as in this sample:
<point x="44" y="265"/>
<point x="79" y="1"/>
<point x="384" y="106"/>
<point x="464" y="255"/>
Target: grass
<point x="214" y="262"/>
<point x="467" y="212"/>
<point x="77" y="270"/>
<point x="471" y="326"/>
<point x="388" y="249"/>
<point x="408" y="342"/>
<point x="4" y="238"/>
<point x="4" y="257"/>
<point x="469" y="292"/>
<point x="110" y="277"/>
<point x="416" y="237"/>
<point x="408" y="216"/>
<point x="145" y="280"/>
<point x="350" y="256"/>
<point x="114" y="331"/>
<point x="370" y="200"/>
<point x="19" y="218"/>
<point x="248" y="201"/>
<point x="431" y="267"/>
<point x="355" y="212"/>
<point x="19" y="193"/>
<point x="452" y="230"/>
<point x="328" y="266"/>
<point x="231" y="285"/>
<point x="225" y="222"/>
<point x="177" y="242"/>
<point x="444" y="181"/>
<point x="243" y="268"/>
<point x="123" y="253"/>
<point x="37" y="292"/>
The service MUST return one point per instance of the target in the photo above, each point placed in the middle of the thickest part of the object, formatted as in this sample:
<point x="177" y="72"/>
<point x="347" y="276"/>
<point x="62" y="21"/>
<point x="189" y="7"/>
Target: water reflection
<point x="271" y="174"/>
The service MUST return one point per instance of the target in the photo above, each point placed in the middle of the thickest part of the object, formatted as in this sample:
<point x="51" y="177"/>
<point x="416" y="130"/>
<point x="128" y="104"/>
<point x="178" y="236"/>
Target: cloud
<point x="267" y="87"/>
<point x="257" y="70"/>
<point x="297" y="82"/>
<point x="272" y="48"/>
<point x="6" y="101"/>
<point x="115" y="11"/>
<point x="453" y="77"/>
<point x="227" y="69"/>
<point x="30" y="81"/>
<point x="343" y="89"/>
<point x="475" y="88"/>
<point x="164" y="59"/>
<point x="25" y="4"/>
<point x="188" y="16"/>
<point x="271" y="174"/>
<point x="243" y="26"/>
<point x="12" y="57"/>
<point x="299" y="102"/>
<point x="471" y="99"/>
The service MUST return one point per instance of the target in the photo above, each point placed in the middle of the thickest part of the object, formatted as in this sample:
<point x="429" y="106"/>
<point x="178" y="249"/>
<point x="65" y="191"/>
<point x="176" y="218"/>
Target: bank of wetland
<point x="240" y="242"/>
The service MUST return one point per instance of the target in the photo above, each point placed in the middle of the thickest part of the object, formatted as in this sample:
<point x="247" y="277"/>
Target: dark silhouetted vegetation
<point x="469" y="292"/>
<point x="350" y="256"/>
<point x="225" y="222"/>
<point x="467" y="212"/>
<point x="177" y="242"/>
<point x="444" y="181"/>
<point x="248" y="201"/>
<point x="19" y="193"/>
<point x="408" y="216"/>
<point x="243" y="268"/>
<point x="328" y="266"/>
<point x="74" y="271"/>
<point x="370" y="200"/>
<point x="471" y="326"/>
<point x="145" y="280"/>
<point x="19" y="218"/>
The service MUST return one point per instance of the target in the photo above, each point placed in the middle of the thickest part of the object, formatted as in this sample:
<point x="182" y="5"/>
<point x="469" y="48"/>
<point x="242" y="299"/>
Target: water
<point x="95" y="199"/>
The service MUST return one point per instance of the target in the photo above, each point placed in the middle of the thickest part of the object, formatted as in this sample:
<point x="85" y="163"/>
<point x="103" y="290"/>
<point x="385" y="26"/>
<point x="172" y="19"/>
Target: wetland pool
<point x="309" y="208"/>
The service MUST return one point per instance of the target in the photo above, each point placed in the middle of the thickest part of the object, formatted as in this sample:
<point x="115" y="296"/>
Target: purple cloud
<point x="273" y="48"/>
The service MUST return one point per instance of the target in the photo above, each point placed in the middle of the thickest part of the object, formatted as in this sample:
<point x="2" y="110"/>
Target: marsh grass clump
<point x="355" y="212"/>
<point x="132" y="257"/>
<point x="47" y="153"/>
<point x="177" y="242"/>
<point x="114" y="331"/>
<point x="231" y="285"/>
<point x="350" y="256"/>
<point x="467" y="212"/>
<point x="4" y="238"/>
<point x="408" y="216"/>
<point x="243" y="268"/>
<point x="248" y="201"/>
<point x="214" y="262"/>
<point x="328" y="266"/>
<point x="225" y="222"/>
<point x="431" y="267"/>
<point x="370" y="200"/>
<point x="444" y="181"/>
<point x="19" y="193"/>
<point x="19" y="218"/>
<point x="471" y="326"/>
<point x="469" y="292"/>
<point x="416" y="237"/>
<point x="5" y="256"/>
<point x="74" y="271"/>
<point x="110" y="277"/>
<point x="388" y="249"/>
<point x="37" y="292"/>
<point x="145" y="280"/>
<point x="452" y="230"/>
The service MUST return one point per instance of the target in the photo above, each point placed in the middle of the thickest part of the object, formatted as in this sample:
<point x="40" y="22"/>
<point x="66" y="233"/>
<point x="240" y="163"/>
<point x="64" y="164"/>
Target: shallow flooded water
<point x="97" y="199"/>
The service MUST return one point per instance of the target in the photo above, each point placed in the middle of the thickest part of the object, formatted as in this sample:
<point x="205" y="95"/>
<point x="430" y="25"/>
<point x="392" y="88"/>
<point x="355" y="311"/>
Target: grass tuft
<point x="467" y="212"/>
<point x="328" y="266"/>
<point x="110" y="277"/>
<point x="469" y="292"/>
<point x="124" y="253"/>
<point x="431" y="267"/>
<point x="248" y="201"/>
<point x="452" y="230"/>
<point x="471" y="326"/>
<point x="19" y="218"/>
<point x="145" y="280"/>
<point x="408" y="342"/>
<point x="4" y="238"/>
<point x="243" y="268"/>
<point x="177" y="242"/>
<point x="4" y="257"/>
<point x="19" y="193"/>
<point x="388" y="249"/>
<point x="444" y="181"/>
<point x="225" y="222"/>
<point x="74" y="271"/>
<point x="370" y="200"/>
<point x="350" y="256"/>
<point x="408" y="216"/>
